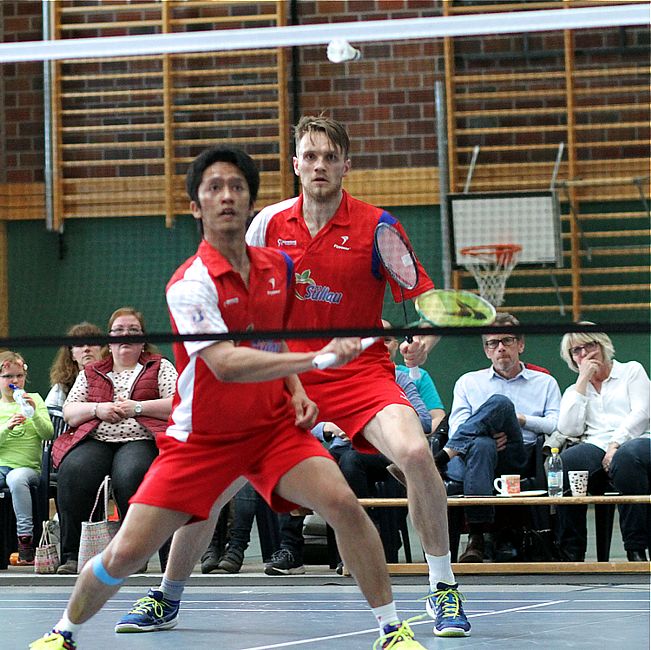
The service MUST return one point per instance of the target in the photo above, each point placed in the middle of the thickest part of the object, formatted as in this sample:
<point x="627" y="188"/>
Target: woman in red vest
<point x="116" y="408"/>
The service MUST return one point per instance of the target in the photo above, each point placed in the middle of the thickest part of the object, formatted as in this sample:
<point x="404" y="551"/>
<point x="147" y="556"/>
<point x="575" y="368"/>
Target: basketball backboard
<point x="529" y="219"/>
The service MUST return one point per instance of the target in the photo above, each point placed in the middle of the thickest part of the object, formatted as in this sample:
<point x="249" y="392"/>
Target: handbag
<point x="46" y="555"/>
<point x="96" y="535"/>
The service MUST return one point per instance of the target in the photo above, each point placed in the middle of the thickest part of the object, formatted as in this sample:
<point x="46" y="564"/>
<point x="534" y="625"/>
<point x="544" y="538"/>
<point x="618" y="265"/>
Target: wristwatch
<point x="137" y="409"/>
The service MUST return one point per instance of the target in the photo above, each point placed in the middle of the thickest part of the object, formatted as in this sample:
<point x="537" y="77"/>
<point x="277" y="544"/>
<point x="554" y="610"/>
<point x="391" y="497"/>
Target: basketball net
<point x="491" y="265"/>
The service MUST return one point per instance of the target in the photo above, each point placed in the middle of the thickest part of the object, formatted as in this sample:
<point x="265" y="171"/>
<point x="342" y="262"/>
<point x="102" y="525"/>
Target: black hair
<point x="222" y="153"/>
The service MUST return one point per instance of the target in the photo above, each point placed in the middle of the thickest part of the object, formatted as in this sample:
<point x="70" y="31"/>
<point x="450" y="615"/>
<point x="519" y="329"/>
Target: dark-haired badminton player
<point x="221" y="432"/>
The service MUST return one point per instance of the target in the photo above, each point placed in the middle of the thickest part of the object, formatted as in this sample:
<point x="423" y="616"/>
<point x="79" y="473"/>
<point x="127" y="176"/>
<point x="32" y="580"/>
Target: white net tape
<point x="491" y="267"/>
<point x="364" y="31"/>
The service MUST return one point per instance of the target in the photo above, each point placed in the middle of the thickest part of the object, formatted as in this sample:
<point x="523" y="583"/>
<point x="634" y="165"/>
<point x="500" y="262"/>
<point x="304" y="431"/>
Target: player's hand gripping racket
<point x="442" y="307"/>
<point x="325" y="360"/>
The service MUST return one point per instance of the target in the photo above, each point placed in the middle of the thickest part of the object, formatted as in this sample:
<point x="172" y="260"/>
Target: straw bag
<point x="95" y="535"/>
<point x="46" y="556"/>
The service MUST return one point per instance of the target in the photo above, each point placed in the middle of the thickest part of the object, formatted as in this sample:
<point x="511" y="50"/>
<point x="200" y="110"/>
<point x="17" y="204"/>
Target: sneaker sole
<point x="274" y="571"/>
<point x="451" y="632"/>
<point x="133" y="628"/>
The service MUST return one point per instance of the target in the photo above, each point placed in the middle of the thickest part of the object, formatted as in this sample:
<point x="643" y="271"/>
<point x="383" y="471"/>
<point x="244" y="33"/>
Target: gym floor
<point x="324" y="611"/>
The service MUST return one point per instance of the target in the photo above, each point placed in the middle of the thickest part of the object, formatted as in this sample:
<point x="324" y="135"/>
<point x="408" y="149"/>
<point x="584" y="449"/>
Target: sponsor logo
<point x="286" y="242"/>
<point x="342" y="246"/>
<point x="267" y="346"/>
<point x="231" y="301"/>
<point x="273" y="291"/>
<point x="197" y="316"/>
<point x="308" y="289"/>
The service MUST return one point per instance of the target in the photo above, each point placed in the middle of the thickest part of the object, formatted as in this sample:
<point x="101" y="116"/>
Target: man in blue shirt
<point x="497" y="415"/>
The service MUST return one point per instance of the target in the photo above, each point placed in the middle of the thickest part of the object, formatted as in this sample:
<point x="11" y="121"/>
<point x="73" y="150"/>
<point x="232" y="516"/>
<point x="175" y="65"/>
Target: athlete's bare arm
<point x="230" y="363"/>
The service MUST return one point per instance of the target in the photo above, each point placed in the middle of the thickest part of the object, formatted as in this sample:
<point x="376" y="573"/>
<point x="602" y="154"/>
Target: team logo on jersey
<point x="342" y="246"/>
<point x="231" y="301"/>
<point x="308" y="289"/>
<point x="272" y="291"/>
<point x="197" y="315"/>
<point x="285" y="242"/>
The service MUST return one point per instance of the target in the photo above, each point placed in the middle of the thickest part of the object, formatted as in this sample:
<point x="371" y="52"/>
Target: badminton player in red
<point x="221" y="432"/>
<point x="341" y="283"/>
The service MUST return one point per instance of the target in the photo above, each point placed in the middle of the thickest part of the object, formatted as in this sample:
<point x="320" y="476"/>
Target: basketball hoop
<point x="491" y="265"/>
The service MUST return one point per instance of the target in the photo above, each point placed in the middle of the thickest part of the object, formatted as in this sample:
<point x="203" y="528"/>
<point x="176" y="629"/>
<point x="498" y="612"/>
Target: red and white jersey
<point x="340" y="281"/>
<point x="205" y="295"/>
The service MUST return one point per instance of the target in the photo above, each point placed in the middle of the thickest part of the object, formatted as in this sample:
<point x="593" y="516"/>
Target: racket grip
<point x="414" y="373"/>
<point x="323" y="361"/>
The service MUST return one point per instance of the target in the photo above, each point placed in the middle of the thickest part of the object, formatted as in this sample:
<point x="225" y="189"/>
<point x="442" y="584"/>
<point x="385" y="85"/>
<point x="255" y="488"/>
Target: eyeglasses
<point x="506" y="341"/>
<point x="19" y="376"/>
<point x="590" y="346"/>
<point x="123" y="331"/>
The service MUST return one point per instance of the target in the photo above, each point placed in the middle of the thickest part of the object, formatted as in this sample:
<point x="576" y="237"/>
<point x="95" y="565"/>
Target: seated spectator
<point x="116" y="408"/>
<point x="497" y="415"/>
<point x="68" y="362"/>
<point x="606" y="407"/>
<point x="21" y="444"/>
<point x="424" y="383"/>
<point x="243" y="507"/>
<point x="630" y="473"/>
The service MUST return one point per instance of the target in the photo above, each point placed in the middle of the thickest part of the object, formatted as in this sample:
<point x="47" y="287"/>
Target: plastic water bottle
<point x="555" y="475"/>
<point x="19" y="397"/>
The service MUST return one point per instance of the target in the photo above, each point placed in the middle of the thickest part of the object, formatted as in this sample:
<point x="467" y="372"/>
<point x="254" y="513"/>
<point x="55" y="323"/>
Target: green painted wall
<point x="101" y="264"/>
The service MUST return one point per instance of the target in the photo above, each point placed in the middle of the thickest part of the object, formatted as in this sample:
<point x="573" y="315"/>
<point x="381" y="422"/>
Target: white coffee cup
<point x="578" y="482"/>
<point x="507" y="484"/>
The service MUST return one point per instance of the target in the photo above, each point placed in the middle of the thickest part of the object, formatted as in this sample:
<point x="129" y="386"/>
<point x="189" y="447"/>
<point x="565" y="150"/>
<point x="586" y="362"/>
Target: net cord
<point x="321" y="34"/>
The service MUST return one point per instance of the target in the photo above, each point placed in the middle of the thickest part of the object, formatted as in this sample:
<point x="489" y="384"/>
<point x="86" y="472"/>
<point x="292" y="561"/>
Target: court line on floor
<point x="427" y="621"/>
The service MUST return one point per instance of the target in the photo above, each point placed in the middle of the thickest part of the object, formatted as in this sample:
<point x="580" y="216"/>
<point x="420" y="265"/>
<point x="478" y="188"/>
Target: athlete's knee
<point x="416" y="450"/>
<point x="340" y="504"/>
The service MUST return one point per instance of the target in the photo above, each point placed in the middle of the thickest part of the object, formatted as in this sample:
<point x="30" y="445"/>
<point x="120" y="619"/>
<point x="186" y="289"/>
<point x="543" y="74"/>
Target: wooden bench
<point x="523" y="567"/>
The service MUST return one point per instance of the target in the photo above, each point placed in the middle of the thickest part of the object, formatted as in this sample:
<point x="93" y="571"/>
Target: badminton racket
<point x="398" y="259"/>
<point x="437" y="307"/>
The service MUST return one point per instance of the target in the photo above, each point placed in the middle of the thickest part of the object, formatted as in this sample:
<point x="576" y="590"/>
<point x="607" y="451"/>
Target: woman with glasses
<point x="607" y="409"/>
<point x="21" y="444"/>
<point x="116" y="408"/>
<point x="69" y="361"/>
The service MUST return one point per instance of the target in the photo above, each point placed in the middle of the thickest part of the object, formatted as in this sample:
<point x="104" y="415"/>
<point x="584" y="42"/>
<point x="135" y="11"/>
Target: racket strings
<point x="396" y="256"/>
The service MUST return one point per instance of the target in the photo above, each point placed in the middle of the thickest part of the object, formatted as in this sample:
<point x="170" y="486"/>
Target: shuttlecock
<point x="340" y="50"/>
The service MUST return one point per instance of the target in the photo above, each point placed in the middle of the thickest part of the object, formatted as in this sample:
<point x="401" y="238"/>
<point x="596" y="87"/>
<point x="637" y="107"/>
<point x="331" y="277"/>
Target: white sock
<point x="172" y="589"/>
<point x="65" y="625"/>
<point x="440" y="570"/>
<point x="386" y="614"/>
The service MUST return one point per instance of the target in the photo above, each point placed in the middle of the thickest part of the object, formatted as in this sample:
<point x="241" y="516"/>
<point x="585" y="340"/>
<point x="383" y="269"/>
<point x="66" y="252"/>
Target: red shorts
<point x="190" y="476"/>
<point x="351" y="403"/>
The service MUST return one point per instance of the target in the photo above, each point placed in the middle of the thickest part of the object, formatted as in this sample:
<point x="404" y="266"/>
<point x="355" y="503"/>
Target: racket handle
<point x="325" y="360"/>
<point x="414" y="373"/>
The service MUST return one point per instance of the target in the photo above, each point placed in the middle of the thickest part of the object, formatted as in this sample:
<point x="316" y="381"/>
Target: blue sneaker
<point x="446" y="608"/>
<point x="150" y="614"/>
<point x="398" y="636"/>
<point x="54" y="640"/>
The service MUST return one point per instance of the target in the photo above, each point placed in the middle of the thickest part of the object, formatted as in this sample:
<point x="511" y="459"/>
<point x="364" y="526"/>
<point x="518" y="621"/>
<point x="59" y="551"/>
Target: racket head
<point x="450" y="308"/>
<point x="396" y="255"/>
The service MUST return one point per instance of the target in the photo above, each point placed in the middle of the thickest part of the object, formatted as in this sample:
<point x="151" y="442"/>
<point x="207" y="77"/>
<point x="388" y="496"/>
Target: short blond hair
<point x="571" y="339"/>
<point x="333" y="130"/>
